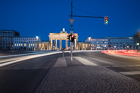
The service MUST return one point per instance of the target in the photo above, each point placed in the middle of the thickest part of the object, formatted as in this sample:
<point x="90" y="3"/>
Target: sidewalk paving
<point x="76" y="77"/>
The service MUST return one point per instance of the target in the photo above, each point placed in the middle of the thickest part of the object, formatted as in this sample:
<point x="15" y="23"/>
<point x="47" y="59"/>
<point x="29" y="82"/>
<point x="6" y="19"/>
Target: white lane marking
<point x="60" y="62"/>
<point x="130" y="73"/>
<point x="85" y="62"/>
<point x="103" y="61"/>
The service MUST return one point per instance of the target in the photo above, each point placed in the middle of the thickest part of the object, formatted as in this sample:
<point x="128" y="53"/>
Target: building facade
<point x="98" y="43"/>
<point x="54" y="37"/>
<point x="121" y="42"/>
<point x="112" y="43"/>
<point x="24" y="43"/>
<point x="7" y="39"/>
<point x="84" y="45"/>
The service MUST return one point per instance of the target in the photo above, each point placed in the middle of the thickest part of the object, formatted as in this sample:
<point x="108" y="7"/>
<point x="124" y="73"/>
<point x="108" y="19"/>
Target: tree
<point x="137" y="37"/>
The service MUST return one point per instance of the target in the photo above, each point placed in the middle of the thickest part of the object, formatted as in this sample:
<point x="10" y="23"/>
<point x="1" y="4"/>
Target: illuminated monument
<point x="61" y="36"/>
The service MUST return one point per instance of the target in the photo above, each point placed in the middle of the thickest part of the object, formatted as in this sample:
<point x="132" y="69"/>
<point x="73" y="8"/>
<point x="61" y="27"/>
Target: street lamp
<point x="137" y="45"/>
<point x="37" y="37"/>
<point x="38" y="41"/>
<point x="89" y="38"/>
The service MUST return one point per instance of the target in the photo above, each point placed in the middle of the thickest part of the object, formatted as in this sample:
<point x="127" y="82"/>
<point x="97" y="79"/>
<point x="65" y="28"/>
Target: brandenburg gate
<point x="61" y="36"/>
<point x="43" y="45"/>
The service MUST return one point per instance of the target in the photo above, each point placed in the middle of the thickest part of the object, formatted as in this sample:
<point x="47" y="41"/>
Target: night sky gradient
<point x="30" y="17"/>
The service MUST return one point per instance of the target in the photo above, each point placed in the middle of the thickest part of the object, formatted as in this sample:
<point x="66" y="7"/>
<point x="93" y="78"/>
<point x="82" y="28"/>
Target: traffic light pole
<point x="71" y="33"/>
<point x="71" y="50"/>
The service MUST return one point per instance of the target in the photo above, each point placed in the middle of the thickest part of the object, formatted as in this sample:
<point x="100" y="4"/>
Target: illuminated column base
<point x="55" y="44"/>
<point x="66" y="44"/>
<point x="51" y="44"/>
<point x="60" y="45"/>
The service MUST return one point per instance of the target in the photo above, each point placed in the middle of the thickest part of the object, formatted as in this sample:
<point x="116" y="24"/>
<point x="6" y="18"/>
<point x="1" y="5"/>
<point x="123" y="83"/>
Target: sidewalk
<point x="76" y="77"/>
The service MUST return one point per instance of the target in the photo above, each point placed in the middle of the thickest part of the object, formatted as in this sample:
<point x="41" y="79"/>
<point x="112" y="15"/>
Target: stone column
<point x="47" y="46"/>
<point x="82" y="45"/>
<point x="50" y="44"/>
<point x="55" y="44"/>
<point x="60" y="44"/>
<point x="66" y="44"/>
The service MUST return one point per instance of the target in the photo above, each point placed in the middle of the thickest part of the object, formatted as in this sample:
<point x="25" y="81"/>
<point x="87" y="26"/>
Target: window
<point x="24" y="44"/>
<point x="15" y="44"/>
<point x="33" y="44"/>
<point x="21" y="44"/>
<point x="39" y="45"/>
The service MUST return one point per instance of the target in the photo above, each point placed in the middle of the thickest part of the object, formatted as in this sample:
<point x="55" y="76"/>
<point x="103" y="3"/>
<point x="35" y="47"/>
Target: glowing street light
<point x="37" y="37"/>
<point x="38" y="41"/>
<point x="89" y="38"/>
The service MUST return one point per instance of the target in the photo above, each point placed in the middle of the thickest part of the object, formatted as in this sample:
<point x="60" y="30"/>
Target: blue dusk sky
<point x="30" y="17"/>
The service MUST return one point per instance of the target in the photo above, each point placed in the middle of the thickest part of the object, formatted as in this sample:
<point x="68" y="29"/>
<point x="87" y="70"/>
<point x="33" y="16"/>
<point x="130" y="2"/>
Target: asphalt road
<point x="26" y="76"/>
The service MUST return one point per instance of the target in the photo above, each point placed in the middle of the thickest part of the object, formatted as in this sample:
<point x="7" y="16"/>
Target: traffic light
<point x="106" y="20"/>
<point x="73" y="37"/>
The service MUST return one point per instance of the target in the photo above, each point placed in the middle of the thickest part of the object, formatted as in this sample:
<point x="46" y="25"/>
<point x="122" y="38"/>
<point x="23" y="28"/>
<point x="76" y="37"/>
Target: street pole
<point x="71" y="28"/>
<point x="71" y="50"/>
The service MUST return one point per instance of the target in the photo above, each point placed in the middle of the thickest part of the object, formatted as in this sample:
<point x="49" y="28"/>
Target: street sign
<point x="71" y="27"/>
<point x="71" y="21"/>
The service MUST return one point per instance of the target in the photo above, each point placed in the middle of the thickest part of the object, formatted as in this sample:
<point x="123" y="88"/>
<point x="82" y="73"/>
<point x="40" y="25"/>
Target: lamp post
<point x="137" y="45"/>
<point x="89" y="38"/>
<point x="38" y="41"/>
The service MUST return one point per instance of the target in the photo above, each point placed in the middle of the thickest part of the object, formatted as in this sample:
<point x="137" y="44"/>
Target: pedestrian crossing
<point x="92" y="61"/>
<point x="85" y="62"/>
<point x="60" y="62"/>
<point x="126" y="70"/>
